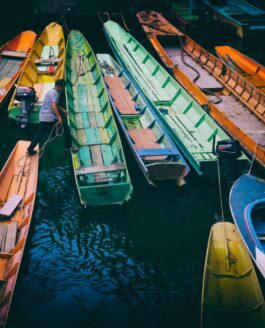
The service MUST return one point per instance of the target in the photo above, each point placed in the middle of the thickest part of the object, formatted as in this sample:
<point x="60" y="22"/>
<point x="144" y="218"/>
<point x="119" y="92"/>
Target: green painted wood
<point x="189" y="125"/>
<point x="93" y="128"/>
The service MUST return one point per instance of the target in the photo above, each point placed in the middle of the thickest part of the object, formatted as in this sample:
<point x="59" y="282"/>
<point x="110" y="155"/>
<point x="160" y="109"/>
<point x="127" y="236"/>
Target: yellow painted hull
<point x="231" y="295"/>
<point x="41" y="81"/>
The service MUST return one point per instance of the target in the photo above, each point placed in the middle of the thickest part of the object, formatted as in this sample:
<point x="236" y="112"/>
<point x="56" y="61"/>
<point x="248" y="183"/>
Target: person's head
<point x="60" y="85"/>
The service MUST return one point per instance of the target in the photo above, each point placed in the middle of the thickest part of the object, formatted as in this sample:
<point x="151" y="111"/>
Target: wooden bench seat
<point x="10" y="206"/>
<point x="121" y="95"/>
<point x="14" y="54"/>
<point x="146" y="139"/>
<point x="8" y="236"/>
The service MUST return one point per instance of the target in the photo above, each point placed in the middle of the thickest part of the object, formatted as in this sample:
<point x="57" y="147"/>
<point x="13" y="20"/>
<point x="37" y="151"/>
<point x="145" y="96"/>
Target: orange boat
<point x="18" y="184"/>
<point x="248" y="68"/>
<point x="228" y="98"/>
<point x="13" y="57"/>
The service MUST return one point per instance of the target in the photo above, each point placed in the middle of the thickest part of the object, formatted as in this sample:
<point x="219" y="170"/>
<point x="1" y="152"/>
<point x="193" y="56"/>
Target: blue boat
<point x="244" y="17"/>
<point x="154" y="150"/>
<point x="247" y="204"/>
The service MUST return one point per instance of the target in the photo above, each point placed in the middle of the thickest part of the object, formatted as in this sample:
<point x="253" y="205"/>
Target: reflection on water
<point x="139" y="265"/>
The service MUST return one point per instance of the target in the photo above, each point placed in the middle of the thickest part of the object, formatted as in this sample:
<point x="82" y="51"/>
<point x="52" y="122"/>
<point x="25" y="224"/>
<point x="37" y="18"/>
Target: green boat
<point x="192" y="129"/>
<point x="100" y="168"/>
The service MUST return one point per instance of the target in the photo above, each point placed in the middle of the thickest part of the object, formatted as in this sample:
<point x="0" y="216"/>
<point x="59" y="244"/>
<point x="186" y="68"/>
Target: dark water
<point x="139" y="265"/>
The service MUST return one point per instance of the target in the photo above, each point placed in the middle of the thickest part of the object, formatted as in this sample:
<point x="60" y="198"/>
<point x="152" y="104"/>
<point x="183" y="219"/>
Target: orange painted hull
<point x="248" y="68"/>
<point x="21" y="43"/>
<point x="232" y="84"/>
<point x="18" y="177"/>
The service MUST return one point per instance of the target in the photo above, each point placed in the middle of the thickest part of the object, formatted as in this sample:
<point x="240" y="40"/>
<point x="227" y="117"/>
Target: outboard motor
<point x="27" y="97"/>
<point x="228" y="151"/>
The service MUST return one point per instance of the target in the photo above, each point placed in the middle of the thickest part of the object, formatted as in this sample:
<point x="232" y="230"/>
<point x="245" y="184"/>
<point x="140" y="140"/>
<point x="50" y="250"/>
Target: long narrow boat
<point x="246" y="67"/>
<point x="244" y="17"/>
<point x="13" y="57"/>
<point x="229" y="98"/>
<point x="44" y="66"/>
<point x="153" y="149"/>
<point x="247" y="204"/>
<point x="191" y="128"/>
<point x="18" y="184"/>
<point x="231" y="295"/>
<point x="100" y="168"/>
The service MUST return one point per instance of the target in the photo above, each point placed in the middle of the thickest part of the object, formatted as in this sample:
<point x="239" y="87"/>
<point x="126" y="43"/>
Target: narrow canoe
<point x="244" y="17"/>
<point x="13" y="57"/>
<point x="153" y="149"/>
<point x="191" y="128"/>
<point x="246" y="67"/>
<point x="247" y="204"/>
<point x="45" y="65"/>
<point x="231" y="295"/>
<point x="210" y="80"/>
<point x="18" y="184"/>
<point x="100" y="168"/>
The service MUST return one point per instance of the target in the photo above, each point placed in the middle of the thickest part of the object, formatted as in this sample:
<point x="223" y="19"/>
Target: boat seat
<point x="4" y="82"/>
<point x="10" y="206"/>
<point x="8" y="236"/>
<point x="146" y="139"/>
<point x="101" y="168"/>
<point x="48" y="51"/>
<point x="14" y="54"/>
<point x="121" y="95"/>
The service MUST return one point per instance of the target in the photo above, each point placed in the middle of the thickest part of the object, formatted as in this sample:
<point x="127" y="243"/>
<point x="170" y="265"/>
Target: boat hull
<point x="231" y="291"/>
<point x="179" y="113"/>
<point x="247" y="192"/>
<point x="140" y="128"/>
<point x="100" y="169"/>
<point x="41" y="76"/>
<point x="25" y="170"/>
<point x="12" y="66"/>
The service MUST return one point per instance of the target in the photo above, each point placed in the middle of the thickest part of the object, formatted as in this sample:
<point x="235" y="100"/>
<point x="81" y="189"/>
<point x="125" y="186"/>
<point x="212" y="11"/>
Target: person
<point x="50" y="114"/>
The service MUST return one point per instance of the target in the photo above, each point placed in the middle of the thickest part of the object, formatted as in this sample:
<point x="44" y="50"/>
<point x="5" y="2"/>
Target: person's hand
<point x="60" y="121"/>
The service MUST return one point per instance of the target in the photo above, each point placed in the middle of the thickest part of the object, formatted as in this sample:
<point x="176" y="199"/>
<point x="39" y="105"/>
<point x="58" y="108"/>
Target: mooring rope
<point x="57" y="131"/>
<point x="253" y="158"/>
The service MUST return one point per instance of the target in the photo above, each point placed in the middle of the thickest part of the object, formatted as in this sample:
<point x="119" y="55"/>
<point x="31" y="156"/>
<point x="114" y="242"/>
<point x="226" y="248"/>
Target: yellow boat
<point x="231" y="295"/>
<point x="18" y="184"/>
<point x="44" y="66"/>
<point x="245" y="66"/>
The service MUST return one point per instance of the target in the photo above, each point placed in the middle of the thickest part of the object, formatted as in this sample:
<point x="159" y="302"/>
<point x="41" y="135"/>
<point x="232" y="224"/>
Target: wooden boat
<point x="244" y="17"/>
<point x="100" y="168"/>
<point x="13" y="57"/>
<point x="18" y="184"/>
<point x="45" y="65"/>
<point x="247" y="204"/>
<point x="229" y="99"/>
<point x="231" y="295"/>
<point x="153" y="149"/>
<point x="246" y="67"/>
<point x="191" y="128"/>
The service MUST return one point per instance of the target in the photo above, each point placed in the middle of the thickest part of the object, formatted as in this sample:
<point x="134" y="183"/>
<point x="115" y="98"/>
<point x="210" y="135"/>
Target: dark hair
<point x="60" y="83"/>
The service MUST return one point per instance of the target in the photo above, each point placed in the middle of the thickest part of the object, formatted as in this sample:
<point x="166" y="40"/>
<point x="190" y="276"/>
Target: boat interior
<point x="258" y="221"/>
<point x="146" y="134"/>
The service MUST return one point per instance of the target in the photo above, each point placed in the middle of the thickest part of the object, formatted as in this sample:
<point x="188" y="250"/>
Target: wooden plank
<point x="97" y="161"/>
<point x="92" y="119"/>
<point x="101" y="168"/>
<point x="82" y="97"/>
<point x="11" y="234"/>
<point x="15" y="54"/>
<point x="10" y="206"/>
<point x="2" y="235"/>
<point x="157" y="152"/>
<point x="48" y="61"/>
